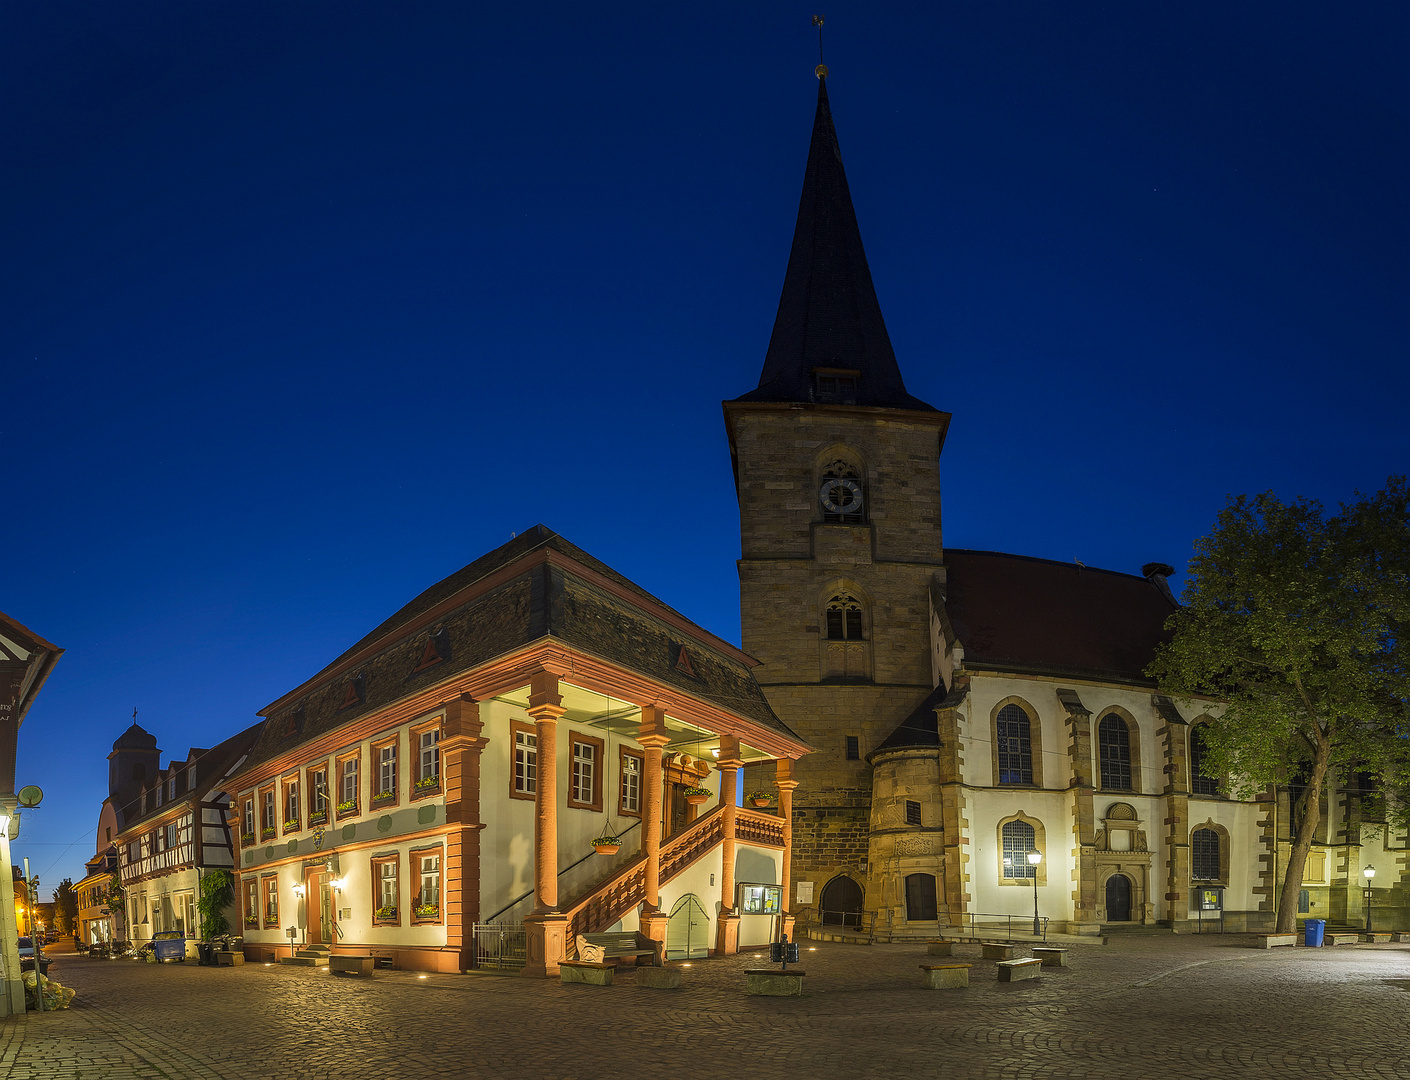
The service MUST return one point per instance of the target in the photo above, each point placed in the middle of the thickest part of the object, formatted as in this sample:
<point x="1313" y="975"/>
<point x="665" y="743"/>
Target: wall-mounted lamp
<point x="298" y="890"/>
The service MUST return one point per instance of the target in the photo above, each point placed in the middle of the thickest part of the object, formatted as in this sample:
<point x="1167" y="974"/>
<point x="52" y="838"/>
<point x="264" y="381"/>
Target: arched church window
<point x="1015" y="746"/>
<point x="1114" y="747"/>
<point x="841" y="494"/>
<point x="844" y="618"/>
<point x="1019" y="839"/>
<point x="1202" y="780"/>
<point x="1204" y="855"/>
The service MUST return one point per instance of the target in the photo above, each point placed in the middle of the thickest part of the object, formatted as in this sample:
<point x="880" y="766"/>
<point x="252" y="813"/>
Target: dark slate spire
<point x="829" y="317"/>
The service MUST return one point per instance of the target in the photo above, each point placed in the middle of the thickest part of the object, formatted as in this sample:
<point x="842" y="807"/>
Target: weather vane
<point x="821" y="70"/>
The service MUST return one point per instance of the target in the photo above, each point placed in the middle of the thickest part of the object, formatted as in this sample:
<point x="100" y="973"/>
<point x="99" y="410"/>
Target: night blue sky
<point x="304" y="306"/>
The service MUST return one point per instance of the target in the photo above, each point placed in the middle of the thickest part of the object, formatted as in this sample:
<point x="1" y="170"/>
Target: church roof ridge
<point x="829" y="318"/>
<point x="1073" y="565"/>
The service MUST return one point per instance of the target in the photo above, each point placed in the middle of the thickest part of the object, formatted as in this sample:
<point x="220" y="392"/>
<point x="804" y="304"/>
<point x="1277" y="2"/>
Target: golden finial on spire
<point x="821" y="70"/>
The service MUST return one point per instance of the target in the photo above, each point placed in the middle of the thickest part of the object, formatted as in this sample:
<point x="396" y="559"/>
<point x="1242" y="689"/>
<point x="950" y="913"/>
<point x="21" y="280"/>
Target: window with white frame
<point x="248" y="825"/>
<point x="584" y="771"/>
<point x="526" y="762"/>
<point x="387" y="769"/>
<point x="291" y="801"/>
<point x="387" y="891"/>
<point x="429" y="760"/>
<point x="171" y="835"/>
<point x="171" y="788"/>
<point x="157" y="793"/>
<point x="318" y="788"/>
<point x="269" y="822"/>
<point x="1019" y="839"/>
<point x="183" y="830"/>
<point x="349" y="781"/>
<point x="631" y="784"/>
<point x="428" y="903"/>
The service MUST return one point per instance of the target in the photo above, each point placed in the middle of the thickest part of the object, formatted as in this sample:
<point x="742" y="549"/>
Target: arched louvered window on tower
<point x="844" y="618"/>
<point x="1015" y="746"/>
<point x="1114" y="748"/>
<point x="1202" y="780"/>
<point x="1019" y="839"/>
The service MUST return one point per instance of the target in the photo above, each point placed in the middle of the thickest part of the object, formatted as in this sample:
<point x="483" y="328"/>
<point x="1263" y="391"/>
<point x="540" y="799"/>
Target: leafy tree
<point x="217" y="894"/>
<point x="1297" y="622"/>
<point x="65" y="907"/>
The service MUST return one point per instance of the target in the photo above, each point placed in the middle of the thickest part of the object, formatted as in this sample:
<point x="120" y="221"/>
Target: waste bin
<point x="1313" y="930"/>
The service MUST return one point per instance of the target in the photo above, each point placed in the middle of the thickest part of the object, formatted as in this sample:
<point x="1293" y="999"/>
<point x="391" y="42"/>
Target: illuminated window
<point x="1114" y="748"/>
<point x="1019" y="840"/>
<point x="631" y="783"/>
<point x="526" y="762"/>
<point x="1015" y="746"/>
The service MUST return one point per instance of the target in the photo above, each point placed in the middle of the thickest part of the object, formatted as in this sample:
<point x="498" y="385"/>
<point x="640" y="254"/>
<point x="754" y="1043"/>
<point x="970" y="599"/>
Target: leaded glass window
<point x="1204" y="855"/>
<point x="1114" y="747"/>
<point x="1015" y="746"/>
<point x="1019" y="839"/>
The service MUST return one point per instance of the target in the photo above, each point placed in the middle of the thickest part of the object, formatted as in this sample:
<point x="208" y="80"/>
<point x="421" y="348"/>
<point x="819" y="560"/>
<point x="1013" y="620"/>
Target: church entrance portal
<point x="688" y="929"/>
<point x="841" y="903"/>
<point x="1118" y="898"/>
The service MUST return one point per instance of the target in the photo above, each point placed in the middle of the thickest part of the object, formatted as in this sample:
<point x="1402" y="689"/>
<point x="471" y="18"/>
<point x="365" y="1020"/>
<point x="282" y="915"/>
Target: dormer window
<point x="171" y="788"/>
<point x="837" y="386"/>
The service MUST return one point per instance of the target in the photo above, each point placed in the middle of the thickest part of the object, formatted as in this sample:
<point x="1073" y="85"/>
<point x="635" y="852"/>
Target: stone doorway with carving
<point x="1123" y="867"/>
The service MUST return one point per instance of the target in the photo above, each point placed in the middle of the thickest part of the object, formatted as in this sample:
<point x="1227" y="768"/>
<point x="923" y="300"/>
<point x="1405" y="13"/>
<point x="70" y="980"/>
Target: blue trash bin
<point x="1313" y="931"/>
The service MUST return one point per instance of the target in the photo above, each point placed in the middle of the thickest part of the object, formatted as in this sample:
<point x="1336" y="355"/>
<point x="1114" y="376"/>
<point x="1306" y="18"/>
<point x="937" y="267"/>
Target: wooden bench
<point x="586" y="972"/>
<point x="1018" y="970"/>
<point x="1051" y="955"/>
<point x="1342" y="937"/>
<point x="945" y="976"/>
<point x="630" y="944"/>
<point x="1272" y="941"/>
<point x="1401" y="936"/>
<point x="940" y="947"/>
<point x="343" y="964"/>
<point x="996" y="950"/>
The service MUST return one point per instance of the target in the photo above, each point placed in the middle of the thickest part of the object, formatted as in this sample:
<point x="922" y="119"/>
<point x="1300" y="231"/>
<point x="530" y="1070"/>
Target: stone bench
<point x="771" y="982"/>
<point x="1051" y="955"/>
<point x="626" y="945"/>
<point x="996" y="950"/>
<point x="586" y="972"/>
<point x="1376" y="937"/>
<point x="1402" y="937"/>
<point x="229" y="959"/>
<point x="659" y="978"/>
<point x="1018" y="970"/>
<point x="1272" y="941"/>
<point x="341" y="964"/>
<point x="940" y="947"/>
<point x="945" y="976"/>
<point x="1342" y="938"/>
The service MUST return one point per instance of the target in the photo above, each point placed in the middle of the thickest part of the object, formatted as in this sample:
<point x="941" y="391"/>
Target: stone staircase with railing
<point x="615" y="896"/>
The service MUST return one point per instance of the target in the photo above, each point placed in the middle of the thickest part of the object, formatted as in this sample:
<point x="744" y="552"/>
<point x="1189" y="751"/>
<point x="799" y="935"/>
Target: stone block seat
<point x="1401" y="936"/>
<point x="1273" y="941"/>
<point x="1342" y="937"/>
<point x="346" y="964"/>
<point x="1018" y="970"/>
<point x="940" y="947"/>
<point x="626" y="945"/>
<point x="772" y="982"/>
<point x="1051" y="955"/>
<point x="586" y="972"/>
<point x="1376" y="937"/>
<point x="229" y="959"/>
<point x="945" y="976"/>
<point x="996" y="950"/>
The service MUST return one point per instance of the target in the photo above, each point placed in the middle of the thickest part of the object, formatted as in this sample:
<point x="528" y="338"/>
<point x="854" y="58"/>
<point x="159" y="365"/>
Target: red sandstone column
<point x="727" y="925"/>
<point x="545" y="929"/>
<point x="653" y="737"/>
<point x="783" y="778"/>
<point x="461" y="746"/>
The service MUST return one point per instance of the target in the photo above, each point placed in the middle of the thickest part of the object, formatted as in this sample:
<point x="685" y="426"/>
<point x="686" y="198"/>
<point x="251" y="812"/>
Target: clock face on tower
<point x="840" y="495"/>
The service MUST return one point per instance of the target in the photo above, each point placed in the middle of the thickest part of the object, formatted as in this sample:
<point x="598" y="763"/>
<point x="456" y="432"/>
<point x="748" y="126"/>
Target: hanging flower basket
<point x="607" y="845"/>
<point x="760" y="798"/>
<point x="697" y="795"/>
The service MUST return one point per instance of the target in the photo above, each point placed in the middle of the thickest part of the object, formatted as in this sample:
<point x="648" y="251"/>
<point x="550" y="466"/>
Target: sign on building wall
<point x="805" y="892"/>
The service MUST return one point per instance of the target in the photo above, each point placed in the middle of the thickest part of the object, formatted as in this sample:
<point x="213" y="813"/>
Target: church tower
<point x="837" y="475"/>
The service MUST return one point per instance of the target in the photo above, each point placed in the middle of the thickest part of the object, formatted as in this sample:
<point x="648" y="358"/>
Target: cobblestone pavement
<point x="1173" y="1008"/>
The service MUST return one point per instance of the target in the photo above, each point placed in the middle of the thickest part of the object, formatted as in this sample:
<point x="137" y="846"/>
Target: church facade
<point x="987" y="747"/>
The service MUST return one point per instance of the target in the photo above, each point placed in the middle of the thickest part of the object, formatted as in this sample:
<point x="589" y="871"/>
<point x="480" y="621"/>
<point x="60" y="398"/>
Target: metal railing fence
<point x="500" y="946"/>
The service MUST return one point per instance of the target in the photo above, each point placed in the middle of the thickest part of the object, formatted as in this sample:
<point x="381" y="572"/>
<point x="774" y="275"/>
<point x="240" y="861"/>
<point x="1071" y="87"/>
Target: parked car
<point x="27" y="955"/>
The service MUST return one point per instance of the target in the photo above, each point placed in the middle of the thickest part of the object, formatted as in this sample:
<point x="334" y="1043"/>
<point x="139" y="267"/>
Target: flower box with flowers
<point x="382" y="798"/>
<point x="349" y="807"/>
<point x="385" y="914"/>
<point x="247" y="838"/>
<point x="321" y="818"/>
<point x="268" y="831"/>
<point x="291" y="826"/>
<point x="698" y="795"/>
<point x="428" y="783"/>
<point x="252" y="921"/>
<point x="272" y="924"/>
<point x="428" y="911"/>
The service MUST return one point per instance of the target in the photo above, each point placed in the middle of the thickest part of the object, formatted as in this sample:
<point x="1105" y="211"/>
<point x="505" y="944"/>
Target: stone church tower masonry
<point x="837" y="474"/>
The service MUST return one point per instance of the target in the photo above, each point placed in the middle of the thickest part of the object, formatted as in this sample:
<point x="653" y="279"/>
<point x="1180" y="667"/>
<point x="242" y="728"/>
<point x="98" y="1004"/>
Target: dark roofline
<point x="550" y="548"/>
<point x="224" y="756"/>
<point x="1082" y="567"/>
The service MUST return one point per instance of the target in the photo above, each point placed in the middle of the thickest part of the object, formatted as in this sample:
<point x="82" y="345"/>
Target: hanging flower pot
<point x="760" y="798"/>
<point x="607" y="845"/>
<point x="697" y="795"/>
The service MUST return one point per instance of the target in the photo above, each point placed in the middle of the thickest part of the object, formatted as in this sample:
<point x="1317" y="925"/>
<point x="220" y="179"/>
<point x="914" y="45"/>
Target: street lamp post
<point x="1034" y="858"/>
<point x="1369" y="872"/>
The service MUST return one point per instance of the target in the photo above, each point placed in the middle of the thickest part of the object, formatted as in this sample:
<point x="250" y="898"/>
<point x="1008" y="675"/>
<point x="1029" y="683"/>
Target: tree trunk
<point x="1302" y="843"/>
